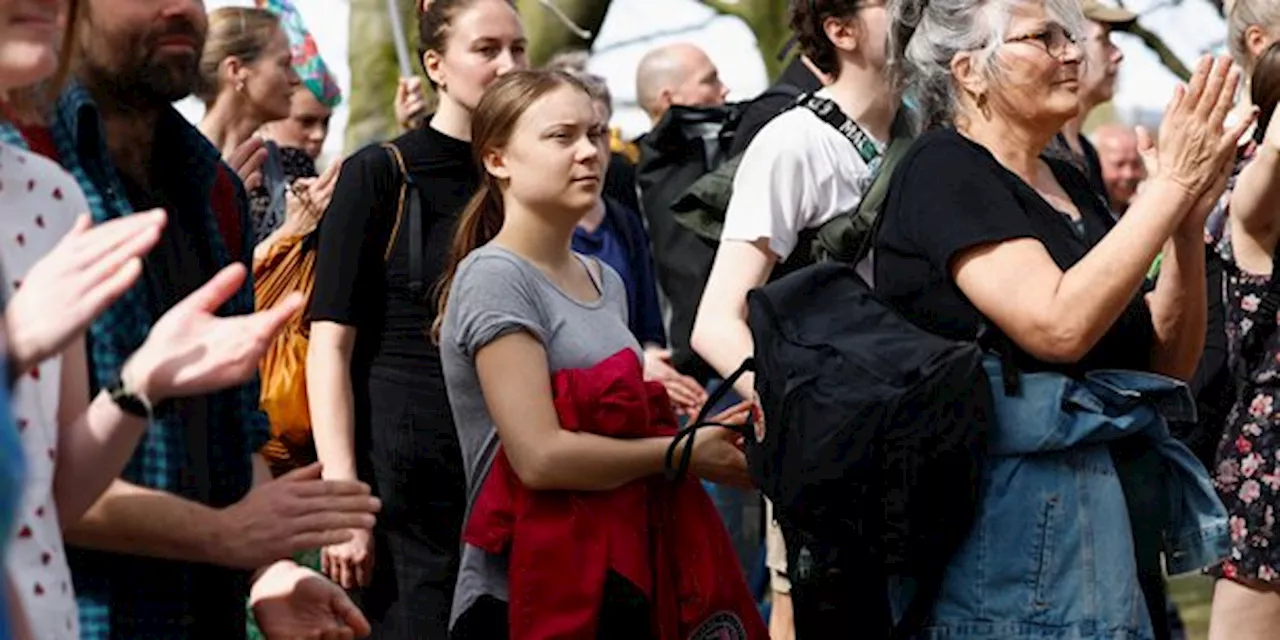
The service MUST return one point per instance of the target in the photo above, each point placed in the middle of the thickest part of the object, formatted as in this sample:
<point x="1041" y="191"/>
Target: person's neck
<point x="1072" y="130"/>
<point x="227" y="125"/>
<point x="534" y="238"/>
<point x="129" y="125"/>
<point x="863" y="95"/>
<point x="452" y="119"/>
<point x="594" y="217"/>
<point x="1014" y="145"/>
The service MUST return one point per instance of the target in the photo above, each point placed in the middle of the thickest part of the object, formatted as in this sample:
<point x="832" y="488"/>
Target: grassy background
<point x="1192" y="593"/>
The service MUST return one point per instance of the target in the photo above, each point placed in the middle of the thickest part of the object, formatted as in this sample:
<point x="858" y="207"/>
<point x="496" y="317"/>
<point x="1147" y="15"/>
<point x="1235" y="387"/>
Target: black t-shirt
<point x="355" y="285"/>
<point x="950" y="194"/>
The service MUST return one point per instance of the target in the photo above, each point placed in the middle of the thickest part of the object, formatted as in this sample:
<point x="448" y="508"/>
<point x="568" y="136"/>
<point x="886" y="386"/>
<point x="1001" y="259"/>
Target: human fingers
<point x="213" y="293"/>
<point x="1213" y="84"/>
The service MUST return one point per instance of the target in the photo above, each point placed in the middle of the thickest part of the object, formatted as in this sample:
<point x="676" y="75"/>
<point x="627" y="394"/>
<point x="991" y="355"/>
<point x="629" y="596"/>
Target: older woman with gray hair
<point x="981" y="231"/>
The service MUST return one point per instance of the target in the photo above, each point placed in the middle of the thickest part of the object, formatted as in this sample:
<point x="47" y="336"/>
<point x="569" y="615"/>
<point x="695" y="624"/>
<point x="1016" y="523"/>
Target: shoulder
<point x="493" y="270"/>
<point x="946" y="147"/>
<point x="786" y="132"/>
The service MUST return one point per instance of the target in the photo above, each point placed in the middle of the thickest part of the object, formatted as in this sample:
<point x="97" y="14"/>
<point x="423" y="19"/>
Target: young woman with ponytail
<point x="376" y="392"/>
<point x="517" y="305"/>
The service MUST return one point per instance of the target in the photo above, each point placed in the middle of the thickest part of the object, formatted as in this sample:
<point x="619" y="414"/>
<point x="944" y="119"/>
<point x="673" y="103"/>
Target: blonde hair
<point x="1243" y="14"/>
<point x="234" y="32"/>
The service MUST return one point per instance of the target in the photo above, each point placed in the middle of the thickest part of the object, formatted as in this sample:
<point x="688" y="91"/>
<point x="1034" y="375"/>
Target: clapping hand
<point x="190" y="351"/>
<point x="1195" y="145"/>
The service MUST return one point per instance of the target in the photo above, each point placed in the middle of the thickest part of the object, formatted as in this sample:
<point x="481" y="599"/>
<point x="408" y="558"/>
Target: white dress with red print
<point x="38" y="205"/>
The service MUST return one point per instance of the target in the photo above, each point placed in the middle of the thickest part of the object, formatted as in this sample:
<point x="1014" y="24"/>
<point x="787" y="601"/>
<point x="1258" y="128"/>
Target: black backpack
<point x="875" y="428"/>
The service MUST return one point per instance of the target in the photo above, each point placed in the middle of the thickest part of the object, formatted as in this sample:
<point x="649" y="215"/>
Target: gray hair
<point x="926" y="35"/>
<point x="1243" y="14"/>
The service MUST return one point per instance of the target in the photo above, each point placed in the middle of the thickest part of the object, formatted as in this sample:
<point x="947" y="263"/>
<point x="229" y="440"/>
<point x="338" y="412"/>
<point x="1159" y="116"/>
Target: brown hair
<point x="1264" y="85"/>
<point x="807" y="18"/>
<point x="31" y="102"/>
<point x="240" y="32"/>
<point x="434" y="21"/>
<point x="492" y="124"/>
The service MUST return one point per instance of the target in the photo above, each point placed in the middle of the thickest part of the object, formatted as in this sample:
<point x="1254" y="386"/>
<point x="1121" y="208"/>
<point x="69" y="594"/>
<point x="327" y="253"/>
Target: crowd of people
<point x="438" y="388"/>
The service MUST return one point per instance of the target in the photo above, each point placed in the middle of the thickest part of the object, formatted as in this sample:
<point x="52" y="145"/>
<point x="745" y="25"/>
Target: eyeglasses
<point x="1054" y="39"/>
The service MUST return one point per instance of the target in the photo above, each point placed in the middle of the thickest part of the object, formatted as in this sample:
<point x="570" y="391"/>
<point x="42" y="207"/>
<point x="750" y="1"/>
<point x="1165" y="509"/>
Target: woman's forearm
<point x="332" y="406"/>
<point x="1177" y="306"/>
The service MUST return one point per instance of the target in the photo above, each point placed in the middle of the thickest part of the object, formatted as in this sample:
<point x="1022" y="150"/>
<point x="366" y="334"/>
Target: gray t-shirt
<point x="495" y="293"/>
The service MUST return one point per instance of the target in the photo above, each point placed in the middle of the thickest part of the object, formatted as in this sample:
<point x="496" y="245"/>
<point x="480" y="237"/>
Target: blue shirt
<point x="622" y="243"/>
<point x="126" y="596"/>
<point x="12" y="472"/>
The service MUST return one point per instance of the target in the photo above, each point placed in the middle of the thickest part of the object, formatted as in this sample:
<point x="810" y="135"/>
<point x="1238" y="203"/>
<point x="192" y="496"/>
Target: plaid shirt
<point x="127" y="596"/>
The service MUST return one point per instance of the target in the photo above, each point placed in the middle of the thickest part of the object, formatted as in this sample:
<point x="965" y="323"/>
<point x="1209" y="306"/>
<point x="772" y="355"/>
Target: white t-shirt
<point x="38" y="205"/>
<point x="798" y="173"/>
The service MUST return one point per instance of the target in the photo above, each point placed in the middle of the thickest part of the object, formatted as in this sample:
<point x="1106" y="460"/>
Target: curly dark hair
<point x="807" y="17"/>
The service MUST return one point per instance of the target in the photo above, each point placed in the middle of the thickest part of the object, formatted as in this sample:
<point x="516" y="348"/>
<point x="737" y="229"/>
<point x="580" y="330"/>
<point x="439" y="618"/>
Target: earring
<point x="240" y="86"/>
<point x="983" y="108"/>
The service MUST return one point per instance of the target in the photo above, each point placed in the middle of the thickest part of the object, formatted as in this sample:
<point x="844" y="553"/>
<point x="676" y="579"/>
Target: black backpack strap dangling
<point x="688" y="433"/>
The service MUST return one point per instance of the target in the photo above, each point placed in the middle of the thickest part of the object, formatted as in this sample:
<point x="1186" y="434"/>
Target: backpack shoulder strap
<point x="849" y="237"/>
<point x="409" y="204"/>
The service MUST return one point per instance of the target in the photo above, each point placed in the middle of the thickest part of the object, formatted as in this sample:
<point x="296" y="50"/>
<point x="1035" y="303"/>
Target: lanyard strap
<point x="830" y="113"/>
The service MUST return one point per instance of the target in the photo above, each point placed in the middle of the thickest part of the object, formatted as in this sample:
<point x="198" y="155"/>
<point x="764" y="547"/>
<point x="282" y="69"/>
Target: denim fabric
<point x="1051" y="555"/>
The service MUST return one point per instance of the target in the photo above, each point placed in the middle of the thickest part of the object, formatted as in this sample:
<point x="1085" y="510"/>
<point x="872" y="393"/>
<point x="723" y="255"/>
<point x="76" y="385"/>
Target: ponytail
<point x="478" y="224"/>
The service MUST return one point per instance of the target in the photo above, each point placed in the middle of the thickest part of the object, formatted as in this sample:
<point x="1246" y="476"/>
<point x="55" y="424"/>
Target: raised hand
<point x="190" y="351"/>
<point x="1194" y="144"/>
<point x="89" y="269"/>
<point x="293" y="602"/>
<point x="307" y="200"/>
<point x="411" y="104"/>
<point x="246" y="159"/>
<point x="298" y="511"/>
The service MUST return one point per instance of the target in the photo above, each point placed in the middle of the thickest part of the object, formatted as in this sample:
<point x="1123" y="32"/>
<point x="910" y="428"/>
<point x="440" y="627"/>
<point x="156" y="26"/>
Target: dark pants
<point x="835" y="586"/>
<point x="415" y="464"/>
<point x="1141" y="472"/>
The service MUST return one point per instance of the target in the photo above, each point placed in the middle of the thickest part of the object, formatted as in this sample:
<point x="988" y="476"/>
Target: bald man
<point x="677" y="74"/>
<point x="1122" y="168"/>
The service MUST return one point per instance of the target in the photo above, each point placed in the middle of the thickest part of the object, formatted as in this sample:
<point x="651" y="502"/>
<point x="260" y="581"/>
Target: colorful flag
<point x="306" y="56"/>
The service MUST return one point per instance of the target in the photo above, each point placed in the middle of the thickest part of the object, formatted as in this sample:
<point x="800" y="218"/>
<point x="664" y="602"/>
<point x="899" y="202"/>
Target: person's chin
<point x="22" y="69"/>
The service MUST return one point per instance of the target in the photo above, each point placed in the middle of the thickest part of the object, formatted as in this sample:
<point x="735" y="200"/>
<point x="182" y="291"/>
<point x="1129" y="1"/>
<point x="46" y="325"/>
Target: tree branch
<point x="1167" y="56"/>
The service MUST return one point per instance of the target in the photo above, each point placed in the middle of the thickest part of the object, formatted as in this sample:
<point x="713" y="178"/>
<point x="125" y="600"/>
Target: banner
<point x="306" y="56"/>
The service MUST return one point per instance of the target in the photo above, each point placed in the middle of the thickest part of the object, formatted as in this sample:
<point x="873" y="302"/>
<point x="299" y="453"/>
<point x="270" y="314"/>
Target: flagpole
<point x="402" y="47"/>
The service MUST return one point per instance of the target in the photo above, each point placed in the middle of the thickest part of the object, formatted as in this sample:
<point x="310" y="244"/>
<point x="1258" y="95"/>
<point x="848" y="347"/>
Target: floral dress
<point x="1247" y="475"/>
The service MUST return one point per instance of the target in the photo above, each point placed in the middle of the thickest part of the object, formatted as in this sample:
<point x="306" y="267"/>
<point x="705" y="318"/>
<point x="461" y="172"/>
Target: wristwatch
<point x="129" y="401"/>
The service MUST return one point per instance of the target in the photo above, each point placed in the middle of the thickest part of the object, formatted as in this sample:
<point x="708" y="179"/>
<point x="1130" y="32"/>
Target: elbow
<point x="1059" y="342"/>
<point x="536" y="470"/>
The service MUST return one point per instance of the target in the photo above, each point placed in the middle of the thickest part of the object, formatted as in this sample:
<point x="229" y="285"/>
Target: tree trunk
<point x="375" y="70"/>
<point x="769" y="20"/>
<point x="548" y="33"/>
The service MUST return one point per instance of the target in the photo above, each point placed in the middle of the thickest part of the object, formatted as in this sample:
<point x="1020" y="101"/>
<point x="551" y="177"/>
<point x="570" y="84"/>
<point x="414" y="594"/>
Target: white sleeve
<point x="773" y="188"/>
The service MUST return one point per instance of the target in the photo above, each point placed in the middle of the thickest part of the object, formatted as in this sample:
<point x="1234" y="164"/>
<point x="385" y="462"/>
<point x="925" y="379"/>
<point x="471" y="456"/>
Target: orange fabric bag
<point x="289" y="266"/>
